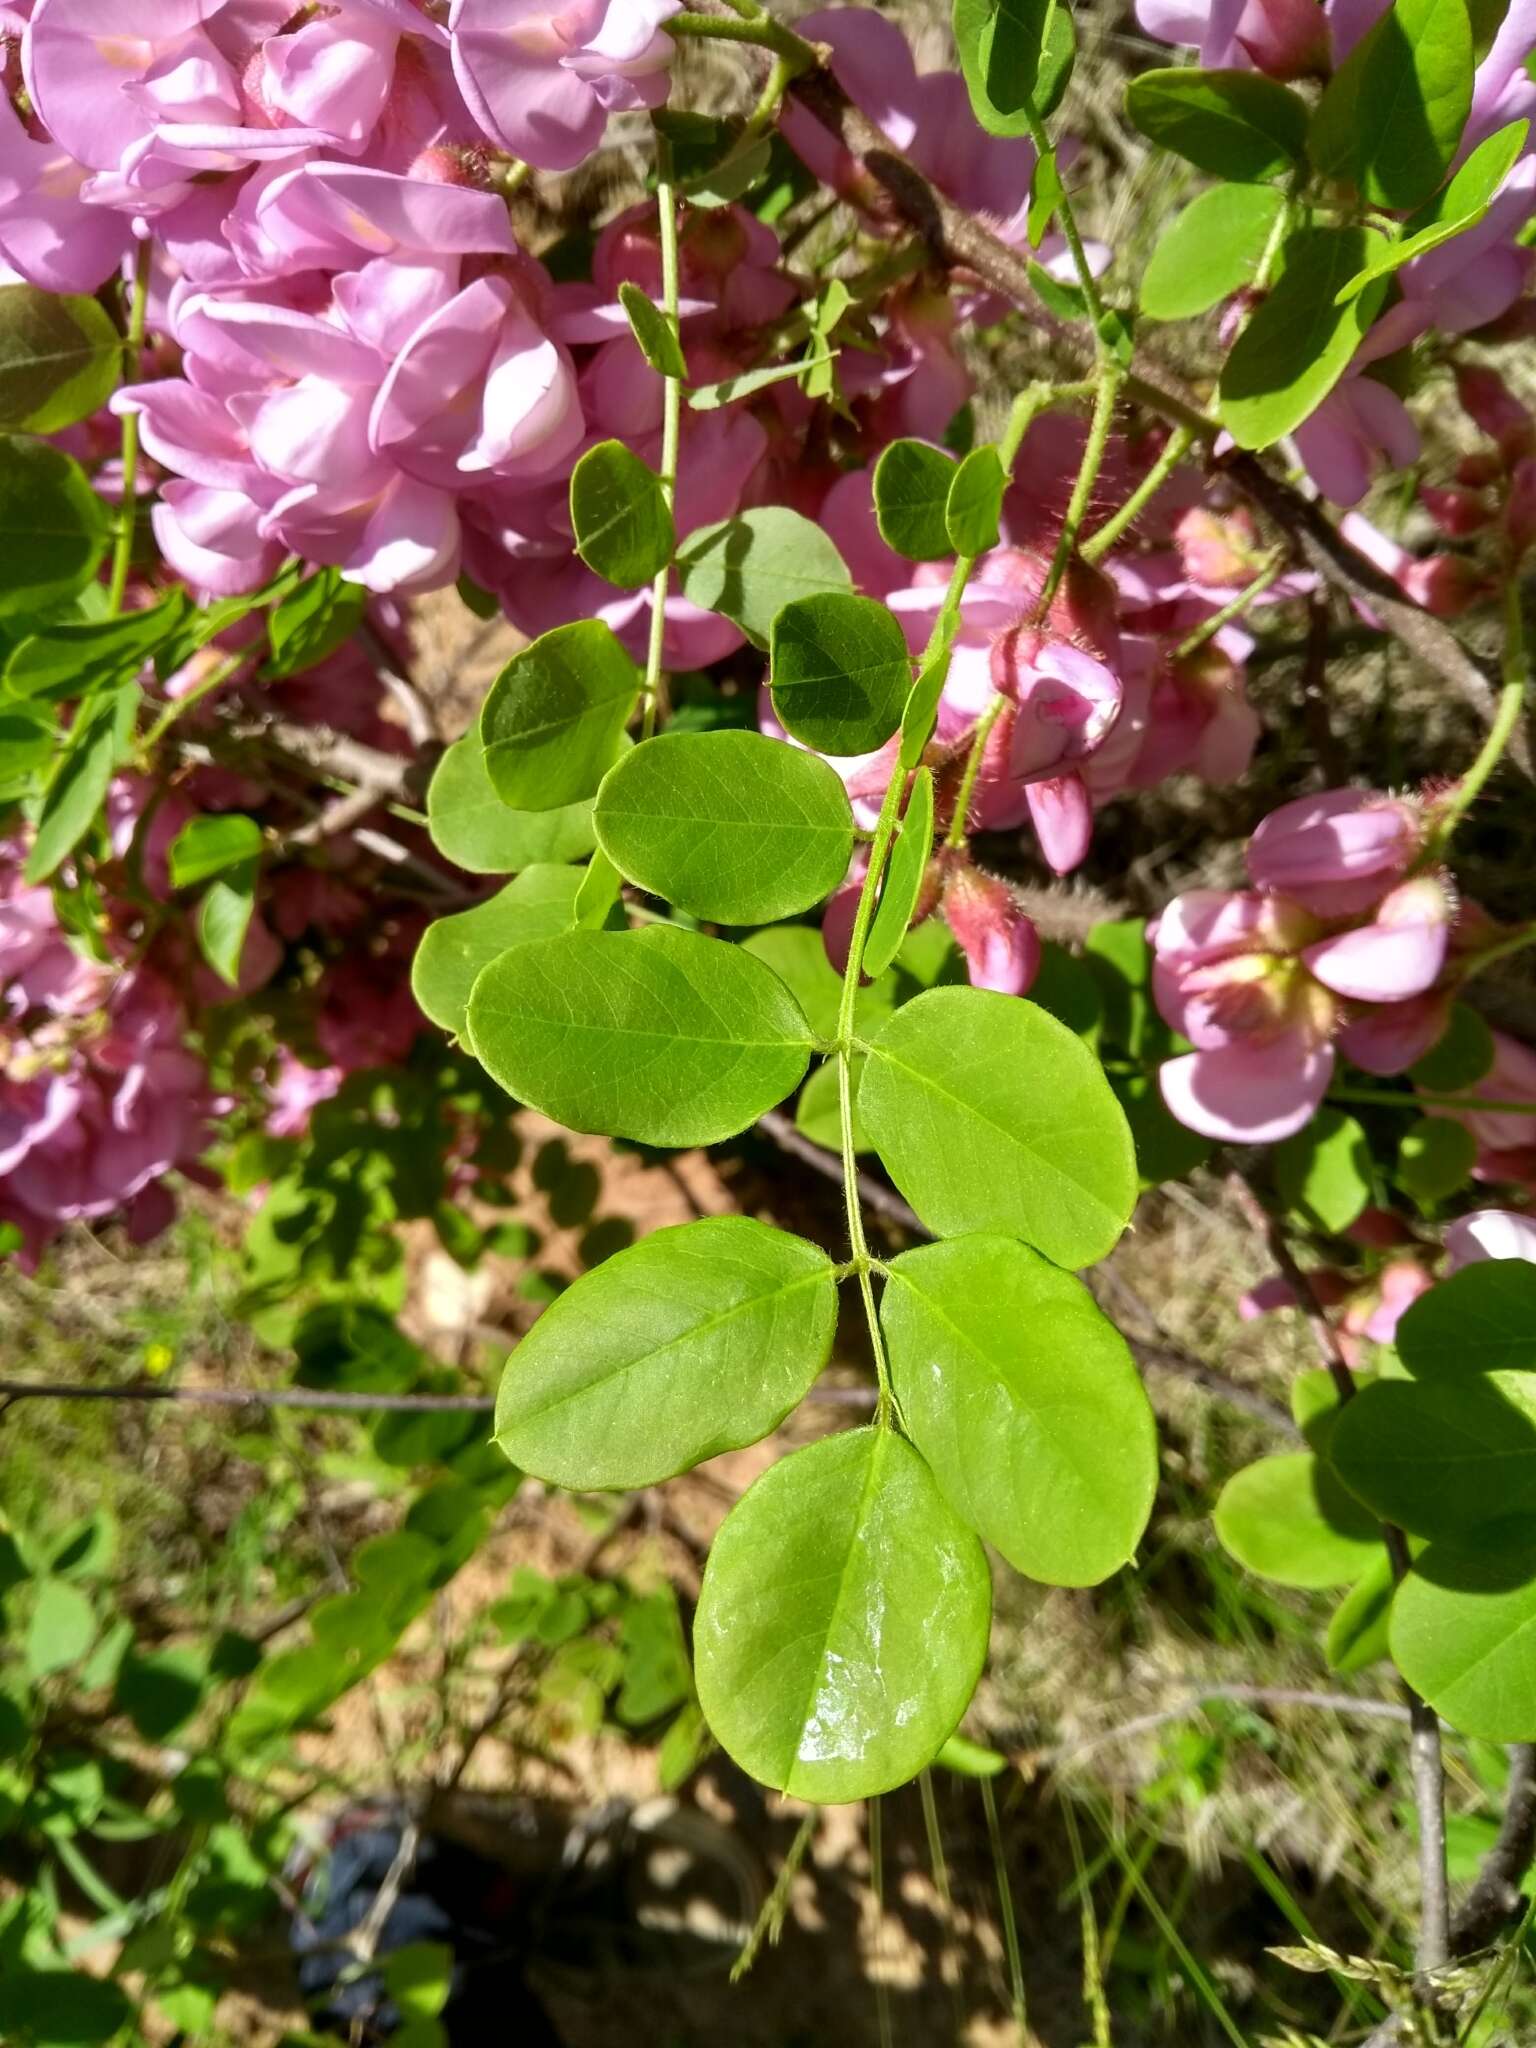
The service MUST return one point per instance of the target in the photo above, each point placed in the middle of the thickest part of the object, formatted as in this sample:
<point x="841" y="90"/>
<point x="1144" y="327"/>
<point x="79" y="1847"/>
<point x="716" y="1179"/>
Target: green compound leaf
<point x="554" y="721"/>
<point x="1026" y="1402"/>
<point x="842" y="1624"/>
<point x="472" y="827"/>
<point x="697" y="1340"/>
<point x="731" y="826"/>
<point x="992" y="1116"/>
<point x="1392" y="114"/>
<point x="1290" y="1520"/>
<point x="61" y="1629"/>
<point x="1462" y="204"/>
<point x="1482" y="1319"/>
<point x="224" y="918"/>
<point x="911" y="486"/>
<point x="840" y="673"/>
<point x="312" y="621"/>
<point x="1442" y="1457"/>
<point x="1463" y="1632"/>
<point x="1017" y="58"/>
<point x="1323" y="1174"/>
<point x="903" y="877"/>
<point x="54" y="530"/>
<point x="975" y="503"/>
<point x="1301" y="340"/>
<point x="60" y="358"/>
<point x="658" y="1035"/>
<point x="745" y="568"/>
<point x="1212" y="249"/>
<point x="540" y="903"/>
<point x="653" y="331"/>
<point x="77" y="789"/>
<point x="73" y="658"/>
<point x="1238" y="125"/>
<point x="620" y="516"/>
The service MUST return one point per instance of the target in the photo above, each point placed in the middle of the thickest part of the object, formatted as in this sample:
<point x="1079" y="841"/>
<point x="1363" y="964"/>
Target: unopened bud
<point x="1493" y="407"/>
<point x="998" y="939"/>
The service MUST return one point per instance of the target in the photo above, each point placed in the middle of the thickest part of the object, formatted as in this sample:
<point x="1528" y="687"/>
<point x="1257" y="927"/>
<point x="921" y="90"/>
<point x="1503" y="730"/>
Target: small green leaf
<point x="653" y="331"/>
<point x="1211" y="250"/>
<point x="1290" y="1520"/>
<point x="840" y="672"/>
<point x="78" y="787"/>
<point x="1435" y="1157"/>
<point x="819" y="1110"/>
<point x="1462" y="204"/>
<point x="1017" y="57"/>
<point x="538" y="904"/>
<point x="419" y="1978"/>
<point x="911" y="488"/>
<point x="710" y="397"/>
<point x="1441" y="1457"/>
<point x="1238" y="125"/>
<point x="842" y="1623"/>
<point x="1357" y="1633"/>
<point x="797" y="956"/>
<point x="207" y="845"/>
<point x="60" y="359"/>
<point x="748" y="567"/>
<point x="60" y="1630"/>
<point x="1323" y="1173"/>
<point x="1046" y="193"/>
<point x="73" y="659"/>
<point x="1027" y="1404"/>
<point x="620" y="516"/>
<point x="1391" y="116"/>
<point x="922" y="707"/>
<point x="1482" y="1319"/>
<point x="659" y="1035"/>
<point x="903" y="877"/>
<point x="1462" y="1626"/>
<point x="697" y="1340"/>
<point x="1461" y="1056"/>
<point x="969" y="1759"/>
<point x="1300" y="341"/>
<point x="554" y="721"/>
<point x="223" y="918"/>
<point x="472" y="827"/>
<point x="312" y="621"/>
<point x="992" y="1116"/>
<point x="54" y="530"/>
<point x="731" y="826"/>
<point x="975" y="502"/>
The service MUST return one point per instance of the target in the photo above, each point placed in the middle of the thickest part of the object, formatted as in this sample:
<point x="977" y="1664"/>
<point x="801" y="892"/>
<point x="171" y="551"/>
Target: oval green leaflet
<point x="1026" y="1402"/>
<point x="658" y="1035"/>
<point x="842" y="1623"/>
<point x="992" y="1116"/>
<point x="553" y="723"/>
<point x="695" y="1341"/>
<point x="731" y="826"/>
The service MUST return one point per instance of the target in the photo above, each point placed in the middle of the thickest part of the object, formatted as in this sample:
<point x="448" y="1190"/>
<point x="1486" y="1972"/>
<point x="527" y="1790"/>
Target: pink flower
<point x="48" y="234"/>
<point x="1399" y="954"/>
<point x="1339" y="852"/>
<point x="1490" y="1234"/>
<point x="1285" y="38"/>
<point x="296" y="1092"/>
<point x="542" y="80"/>
<point x="999" y="941"/>
<point x="1360" y="427"/>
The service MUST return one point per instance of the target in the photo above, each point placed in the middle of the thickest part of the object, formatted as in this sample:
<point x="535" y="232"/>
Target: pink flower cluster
<point x="1343" y="942"/>
<point x="99" y="1095"/>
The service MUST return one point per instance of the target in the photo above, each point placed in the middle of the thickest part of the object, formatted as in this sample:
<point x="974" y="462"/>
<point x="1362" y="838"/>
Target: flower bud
<point x="1492" y="406"/>
<point x="1520" y="508"/>
<point x="999" y="941"/>
<point x="1456" y="512"/>
<point x="1338" y="852"/>
<point x="1218" y="548"/>
<point x="1446" y="585"/>
<point x="1285" y="39"/>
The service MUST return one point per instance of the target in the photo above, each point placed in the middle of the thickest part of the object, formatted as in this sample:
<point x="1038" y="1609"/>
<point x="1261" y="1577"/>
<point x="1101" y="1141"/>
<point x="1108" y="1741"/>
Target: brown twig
<point x="1495" y="1898"/>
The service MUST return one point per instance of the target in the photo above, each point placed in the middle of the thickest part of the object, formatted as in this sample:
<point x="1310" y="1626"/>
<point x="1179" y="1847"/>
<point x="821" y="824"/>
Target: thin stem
<point x="1245" y="599"/>
<point x="759" y="28"/>
<point x="1506" y="718"/>
<point x="1005" y="1908"/>
<point x="1103" y="538"/>
<point x="765" y="113"/>
<point x="1516" y="942"/>
<point x="1111" y="376"/>
<point x="984" y="724"/>
<point x="217" y="676"/>
<point x="671" y="420"/>
<point x="1088" y="284"/>
<point x="133" y="349"/>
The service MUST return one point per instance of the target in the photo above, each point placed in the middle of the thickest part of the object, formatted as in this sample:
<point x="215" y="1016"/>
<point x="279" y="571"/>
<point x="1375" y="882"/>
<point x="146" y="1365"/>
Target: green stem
<point x="1111" y="377"/>
<point x="766" y="112"/>
<point x="1103" y="538"/>
<point x="216" y="677"/>
<point x="1516" y="942"/>
<point x="133" y="349"/>
<point x="957" y="824"/>
<point x="1088" y="284"/>
<point x="1506" y="717"/>
<point x="671" y="420"/>
<point x="760" y="29"/>
<point x="1248" y="596"/>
